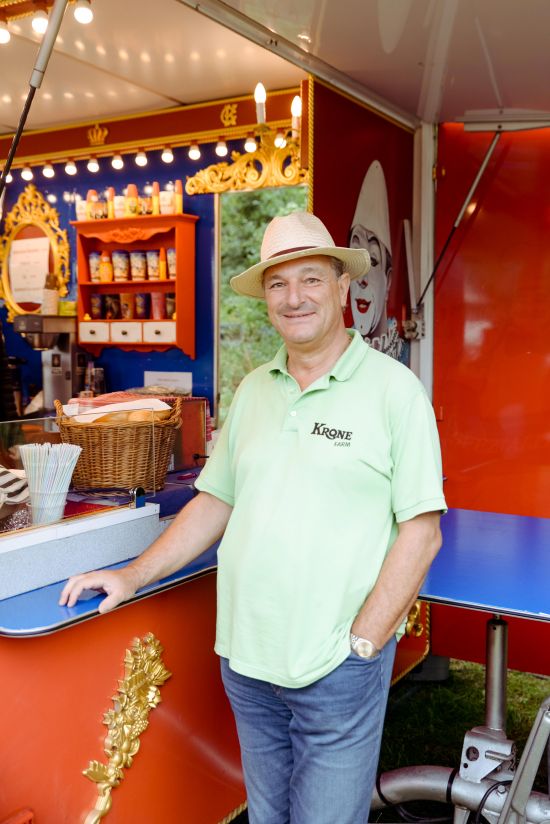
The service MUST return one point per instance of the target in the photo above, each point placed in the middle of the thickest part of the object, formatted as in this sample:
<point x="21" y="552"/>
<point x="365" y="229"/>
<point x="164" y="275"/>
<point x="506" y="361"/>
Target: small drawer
<point x="159" y="331"/>
<point x="125" y="332"/>
<point x="95" y="332"/>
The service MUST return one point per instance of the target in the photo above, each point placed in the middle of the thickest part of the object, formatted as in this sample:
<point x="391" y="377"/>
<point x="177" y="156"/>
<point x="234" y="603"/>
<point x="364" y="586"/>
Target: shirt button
<point x="293" y="413"/>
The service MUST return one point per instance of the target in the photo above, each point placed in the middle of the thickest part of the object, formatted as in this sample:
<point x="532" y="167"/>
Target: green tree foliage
<point x="247" y="339"/>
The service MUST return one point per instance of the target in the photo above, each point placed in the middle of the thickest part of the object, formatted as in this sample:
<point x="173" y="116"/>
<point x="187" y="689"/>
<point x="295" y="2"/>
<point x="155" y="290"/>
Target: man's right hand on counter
<point x="118" y="586"/>
<point x="197" y="526"/>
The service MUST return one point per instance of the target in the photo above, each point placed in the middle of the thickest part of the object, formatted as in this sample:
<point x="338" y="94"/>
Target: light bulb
<point x="194" y="151"/>
<point x="70" y="168"/>
<point x="48" y="170"/>
<point x="141" y="159"/>
<point x="250" y="144"/>
<point x="83" y="11"/>
<point x="260" y="96"/>
<point x="93" y="165"/>
<point x="51" y="198"/>
<point x="280" y="140"/>
<point x="9" y="177"/>
<point x="167" y="155"/>
<point x="296" y="106"/>
<point x="117" y="162"/>
<point x="40" y="21"/>
<point x="26" y="173"/>
<point x="221" y="148"/>
<point x="5" y="35"/>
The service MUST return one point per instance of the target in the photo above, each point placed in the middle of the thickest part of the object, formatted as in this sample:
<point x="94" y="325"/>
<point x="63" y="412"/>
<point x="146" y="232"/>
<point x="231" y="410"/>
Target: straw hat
<point x="297" y="235"/>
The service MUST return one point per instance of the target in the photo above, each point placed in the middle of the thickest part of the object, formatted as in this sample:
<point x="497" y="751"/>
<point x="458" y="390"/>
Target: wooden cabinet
<point x="143" y="233"/>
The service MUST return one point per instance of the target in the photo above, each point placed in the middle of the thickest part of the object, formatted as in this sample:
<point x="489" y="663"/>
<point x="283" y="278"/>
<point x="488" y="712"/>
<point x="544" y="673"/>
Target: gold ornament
<point x="228" y="114"/>
<point x="137" y="694"/>
<point x="267" y="166"/>
<point x="97" y="135"/>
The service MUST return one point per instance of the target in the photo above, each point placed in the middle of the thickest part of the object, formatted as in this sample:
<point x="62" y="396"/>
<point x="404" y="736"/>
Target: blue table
<point x="492" y="562"/>
<point x="499" y="564"/>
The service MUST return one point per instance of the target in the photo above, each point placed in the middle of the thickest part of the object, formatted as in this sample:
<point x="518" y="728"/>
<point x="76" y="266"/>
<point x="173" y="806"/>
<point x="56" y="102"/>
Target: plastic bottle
<point x="110" y="202"/>
<point x="155" y="198"/>
<point x="163" y="269"/>
<point x="131" y="202"/>
<point x="178" y="190"/>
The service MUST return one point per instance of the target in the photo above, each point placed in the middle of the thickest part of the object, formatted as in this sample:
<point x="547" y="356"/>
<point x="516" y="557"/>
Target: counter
<point x="149" y="670"/>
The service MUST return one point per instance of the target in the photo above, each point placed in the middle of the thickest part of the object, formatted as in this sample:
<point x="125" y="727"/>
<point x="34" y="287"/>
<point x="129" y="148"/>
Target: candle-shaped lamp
<point x="260" y="97"/>
<point x="296" y="112"/>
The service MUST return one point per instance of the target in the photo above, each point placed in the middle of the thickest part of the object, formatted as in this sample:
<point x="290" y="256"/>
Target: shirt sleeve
<point x="217" y="476"/>
<point x="417" y="479"/>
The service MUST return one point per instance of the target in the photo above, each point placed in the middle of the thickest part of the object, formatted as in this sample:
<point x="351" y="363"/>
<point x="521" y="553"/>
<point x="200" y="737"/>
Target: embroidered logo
<point x="341" y="437"/>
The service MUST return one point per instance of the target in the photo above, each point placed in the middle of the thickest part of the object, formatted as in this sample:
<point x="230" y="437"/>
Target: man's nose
<point x="294" y="294"/>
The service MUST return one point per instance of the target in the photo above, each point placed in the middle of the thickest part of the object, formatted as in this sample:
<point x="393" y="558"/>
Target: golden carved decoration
<point x="413" y="626"/>
<point x="228" y="114"/>
<point x="267" y="166"/>
<point x="97" y="135"/>
<point x="137" y="694"/>
<point x="32" y="210"/>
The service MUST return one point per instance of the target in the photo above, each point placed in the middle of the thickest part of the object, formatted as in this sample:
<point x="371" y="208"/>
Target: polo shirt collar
<point x="344" y="367"/>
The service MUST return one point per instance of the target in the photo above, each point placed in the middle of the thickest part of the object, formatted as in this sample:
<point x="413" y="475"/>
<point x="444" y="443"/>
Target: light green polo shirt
<point x="318" y="481"/>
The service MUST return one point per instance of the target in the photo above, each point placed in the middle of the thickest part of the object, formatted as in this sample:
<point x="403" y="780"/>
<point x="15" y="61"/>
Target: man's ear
<point x="343" y="287"/>
<point x="389" y="273"/>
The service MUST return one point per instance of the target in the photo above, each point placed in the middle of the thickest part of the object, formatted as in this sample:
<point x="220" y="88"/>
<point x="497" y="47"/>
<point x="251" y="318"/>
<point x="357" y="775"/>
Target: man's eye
<point x="374" y="261"/>
<point x="276" y="284"/>
<point x="313" y="281"/>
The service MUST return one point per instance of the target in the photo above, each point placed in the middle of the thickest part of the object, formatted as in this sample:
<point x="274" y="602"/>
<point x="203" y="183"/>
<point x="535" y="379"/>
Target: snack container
<point x="141" y="309"/>
<point x="171" y="260"/>
<point x="96" y="306"/>
<point x="153" y="260"/>
<point x="138" y="265"/>
<point x="121" y="264"/>
<point x="127" y="305"/>
<point x="93" y="266"/>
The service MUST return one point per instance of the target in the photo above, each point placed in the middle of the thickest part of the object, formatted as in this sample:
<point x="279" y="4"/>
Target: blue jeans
<point x="310" y="754"/>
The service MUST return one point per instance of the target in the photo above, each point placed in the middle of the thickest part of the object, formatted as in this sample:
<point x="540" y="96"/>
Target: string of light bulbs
<point x="118" y="160"/>
<point x="82" y="11"/>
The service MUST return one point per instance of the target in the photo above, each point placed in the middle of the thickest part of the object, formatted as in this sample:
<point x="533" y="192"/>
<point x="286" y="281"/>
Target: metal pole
<point x="54" y="22"/>
<point x="495" y="674"/>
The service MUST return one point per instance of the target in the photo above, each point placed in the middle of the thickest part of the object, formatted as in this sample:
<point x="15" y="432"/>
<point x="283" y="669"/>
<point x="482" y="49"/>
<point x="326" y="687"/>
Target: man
<point x="370" y="229"/>
<point x="330" y="515"/>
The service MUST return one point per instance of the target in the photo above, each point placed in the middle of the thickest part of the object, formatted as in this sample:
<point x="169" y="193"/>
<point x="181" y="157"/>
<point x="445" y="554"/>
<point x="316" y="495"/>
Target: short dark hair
<point x="337" y="265"/>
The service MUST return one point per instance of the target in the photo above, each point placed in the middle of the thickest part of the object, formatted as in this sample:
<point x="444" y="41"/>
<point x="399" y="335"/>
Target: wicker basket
<point x="121" y="455"/>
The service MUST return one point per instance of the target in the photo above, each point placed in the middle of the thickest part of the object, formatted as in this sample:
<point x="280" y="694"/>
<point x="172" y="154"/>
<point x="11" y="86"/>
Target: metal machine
<point x="63" y="363"/>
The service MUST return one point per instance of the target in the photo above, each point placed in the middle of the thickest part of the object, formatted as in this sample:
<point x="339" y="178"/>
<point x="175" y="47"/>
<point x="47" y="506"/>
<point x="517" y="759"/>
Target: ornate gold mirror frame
<point x="33" y="212"/>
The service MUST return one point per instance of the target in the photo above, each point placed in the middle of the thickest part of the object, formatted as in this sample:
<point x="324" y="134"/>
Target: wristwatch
<point x="362" y="647"/>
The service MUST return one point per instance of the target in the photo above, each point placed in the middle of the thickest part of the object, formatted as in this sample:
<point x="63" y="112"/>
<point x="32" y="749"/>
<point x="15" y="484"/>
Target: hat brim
<point x="249" y="283"/>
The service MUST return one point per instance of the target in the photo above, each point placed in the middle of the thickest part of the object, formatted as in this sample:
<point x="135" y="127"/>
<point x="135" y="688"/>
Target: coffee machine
<point x="63" y="363"/>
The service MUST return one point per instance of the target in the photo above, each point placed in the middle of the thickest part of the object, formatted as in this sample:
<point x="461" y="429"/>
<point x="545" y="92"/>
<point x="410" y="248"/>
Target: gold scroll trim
<point x="267" y="166"/>
<point x="137" y="694"/>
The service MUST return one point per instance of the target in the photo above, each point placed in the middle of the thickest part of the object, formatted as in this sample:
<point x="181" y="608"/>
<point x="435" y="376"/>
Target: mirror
<point x="32" y="246"/>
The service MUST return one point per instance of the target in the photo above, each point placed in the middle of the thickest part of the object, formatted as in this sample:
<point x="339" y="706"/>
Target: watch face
<point x="364" y="648"/>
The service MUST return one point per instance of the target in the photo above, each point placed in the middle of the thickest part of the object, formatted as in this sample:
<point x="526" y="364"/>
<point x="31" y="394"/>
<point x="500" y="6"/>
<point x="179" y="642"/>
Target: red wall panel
<point x="492" y="353"/>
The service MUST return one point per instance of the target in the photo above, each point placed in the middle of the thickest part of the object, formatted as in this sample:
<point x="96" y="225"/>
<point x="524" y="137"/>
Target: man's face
<point x="304" y="300"/>
<point x="368" y="295"/>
